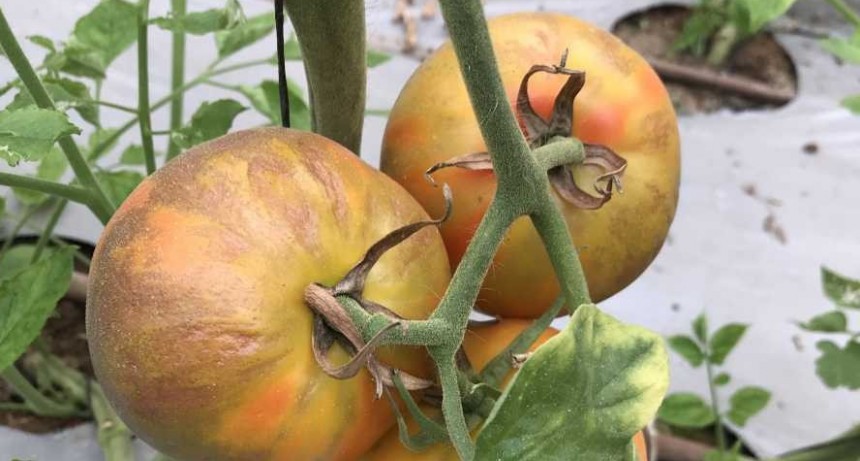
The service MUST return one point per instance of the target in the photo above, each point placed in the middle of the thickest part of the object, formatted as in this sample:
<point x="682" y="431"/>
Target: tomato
<point x="481" y="344"/>
<point x="198" y="329"/>
<point x="623" y="106"/>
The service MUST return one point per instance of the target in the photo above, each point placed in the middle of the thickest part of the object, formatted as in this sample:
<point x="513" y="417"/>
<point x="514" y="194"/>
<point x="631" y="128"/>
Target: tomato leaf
<point x="846" y="49"/>
<point x="211" y="120"/>
<point x="203" y="22"/>
<point x="724" y="341"/>
<point x="722" y="379"/>
<point x="377" y="58"/>
<point x="15" y="260"/>
<point x="698" y="29"/>
<point x="133" y="155"/>
<point x="610" y="376"/>
<point x="687" y="348"/>
<point x="852" y="103"/>
<point x="700" y="328"/>
<point x="28" y="298"/>
<point x="843" y="291"/>
<point x="292" y="51"/>
<point x="839" y="367"/>
<point x="747" y="402"/>
<point x="28" y="134"/>
<point x="244" y="34"/>
<point x="118" y="184"/>
<point x="97" y="39"/>
<point x="842" y="448"/>
<point x="686" y="410"/>
<point x="99" y="136"/>
<point x="266" y="99"/>
<point x="50" y="168"/>
<point x="830" y="322"/>
<point x="43" y="42"/>
<point x="66" y="94"/>
<point x="750" y="16"/>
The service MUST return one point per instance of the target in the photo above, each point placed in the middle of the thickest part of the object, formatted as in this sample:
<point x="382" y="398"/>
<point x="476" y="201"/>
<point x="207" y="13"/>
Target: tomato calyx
<point x="332" y="323"/>
<point x="540" y="132"/>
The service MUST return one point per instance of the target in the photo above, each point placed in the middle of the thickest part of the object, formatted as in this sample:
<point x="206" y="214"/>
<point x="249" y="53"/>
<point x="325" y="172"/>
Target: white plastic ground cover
<point x="719" y="258"/>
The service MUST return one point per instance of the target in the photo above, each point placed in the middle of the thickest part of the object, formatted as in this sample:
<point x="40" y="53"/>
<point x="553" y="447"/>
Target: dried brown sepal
<point x="611" y="163"/>
<point x="476" y="162"/>
<point x="353" y="283"/>
<point x="538" y="130"/>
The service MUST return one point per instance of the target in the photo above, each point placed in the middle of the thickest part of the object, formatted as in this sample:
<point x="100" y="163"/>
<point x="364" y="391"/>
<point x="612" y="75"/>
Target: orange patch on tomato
<point x="599" y="125"/>
<point x="261" y="418"/>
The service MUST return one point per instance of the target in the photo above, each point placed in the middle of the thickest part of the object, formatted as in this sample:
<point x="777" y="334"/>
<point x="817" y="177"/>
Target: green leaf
<point x="28" y="298"/>
<point x="266" y="99"/>
<point x="846" y="49"/>
<point x="15" y="260"/>
<point x="838" y="367"/>
<point x="831" y="322"/>
<point x="842" y="448"/>
<point x="377" y="58"/>
<point x="687" y="348"/>
<point x="118" y="184"/>
<point x="722" y="379"/>
<point x="852" y="103"/>
<point x="246" y="33"/>
<point x="750" y="16"/>
<point x="28" y="134"/>
<point x="614" y="377"/>
<point x="43" y="42"/>
<point x="133" y="155"/>
<point x="716" y="455"/>
<point x="746" y="403"/>
<point x="66" y="94"/>
<point x="700" y="328"/>
<point x="724" y="340"/>
<point x="684" y="409"/>
<point x="203" y="22"/>
<point x="698" y="29"/>
<point x="97" y="39"/>
<point x="96" y="139"/>
<point x="292" y="51"/>
<point x="211" y="120"/>
<point x="2" y="212"/>
<point x="51" y="168"/>
<point x="843" y="291"/>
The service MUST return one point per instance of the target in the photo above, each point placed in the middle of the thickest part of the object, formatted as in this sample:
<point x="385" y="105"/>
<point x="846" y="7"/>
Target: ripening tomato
<point x="198" y="329"/>
<point x="481" y="344"/>
<point x="623" y="106"/>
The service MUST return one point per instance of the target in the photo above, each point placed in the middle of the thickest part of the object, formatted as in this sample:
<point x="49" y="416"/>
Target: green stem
<point x="412" y="332"/>
<point x="22" y="221"/>
<point x="37" y="402"/>
<point x="563" y="255"/>
<point x="846" y="11"/>
<point x="332" y="36"/>
<point x="46" y="234"/>
<point x="113" y="435"/>
<point x="12" y="406"/>
<point x="74" y="193"/>
<point x="100" y="204"/>
<point x="144" y="117"/>
<point x="560" y="151"/>
<point x="120" y="107"/>
<point x="177" y="77"/>
<point x="719" y="432"/>
<point x="724" y="42"/>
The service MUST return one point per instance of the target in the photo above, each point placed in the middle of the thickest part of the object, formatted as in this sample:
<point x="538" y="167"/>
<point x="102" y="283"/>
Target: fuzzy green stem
<point x="177" y="76"/>
<point x="563" y="255"/>
<point x="719" y="432"/>
<point x="560" y="151"/>
<point x="724" y="42"/>
<point x="144" y="117"/>
<point x="113" y="435"/>
<point x="846" y="11"/>
<point x="37" y="402"/>
<point x="452" y="407"/>
<point x="333" y="39"/>
<point x="412" y="332"/>
<point x="74" y="193"/>
<point x="100" y="204"/>
<point x="46" y="234"/>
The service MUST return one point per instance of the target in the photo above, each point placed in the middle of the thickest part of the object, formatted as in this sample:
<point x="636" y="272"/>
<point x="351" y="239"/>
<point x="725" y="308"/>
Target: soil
<point x="653" y="31"/>
<point x="65" y="336"/>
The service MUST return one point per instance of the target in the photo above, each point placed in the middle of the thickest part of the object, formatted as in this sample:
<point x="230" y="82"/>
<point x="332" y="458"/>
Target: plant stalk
<point x="177" y="77"/>
<point x="144" y="117"/>
<point x="100" y="205"/>
<point x="846" y="11"/>
<point x="74" y="193"/>
<point x="37" y="402"/>
<point x="333" y="39"/>
<point x="113" y="435"/>
<point x="719" y="431"/>
<point x="46" y="234"/>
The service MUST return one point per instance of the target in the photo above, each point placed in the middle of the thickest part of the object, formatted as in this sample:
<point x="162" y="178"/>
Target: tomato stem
<point x="74" y="193"/>
<point x="144" y="117"/>
<point x="99" y="203"/>
<point x="332" y="37"/>
<point x="177" y="76"/>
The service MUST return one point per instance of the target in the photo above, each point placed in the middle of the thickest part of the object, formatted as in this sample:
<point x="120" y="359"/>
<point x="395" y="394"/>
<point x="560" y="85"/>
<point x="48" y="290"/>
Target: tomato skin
<point x="623" y="106"/>
<point x="198" y="329"/>
<point x="481" y="344"/>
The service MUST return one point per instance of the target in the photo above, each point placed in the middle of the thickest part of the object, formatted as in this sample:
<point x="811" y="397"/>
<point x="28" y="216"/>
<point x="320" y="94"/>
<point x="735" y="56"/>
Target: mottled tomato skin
<point x="482" y="344"/>
<point x="623" y="105"/>
<point x="195" y="316"/>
